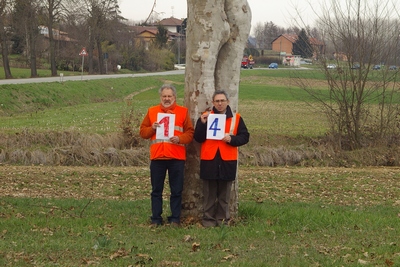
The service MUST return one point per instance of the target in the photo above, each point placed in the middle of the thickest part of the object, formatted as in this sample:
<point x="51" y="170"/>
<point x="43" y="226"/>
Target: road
<point x="86" y="77"/>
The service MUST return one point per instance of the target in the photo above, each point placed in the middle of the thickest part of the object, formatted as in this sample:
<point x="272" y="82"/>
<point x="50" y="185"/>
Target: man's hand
<point x="174" y="139"/>
<point x="155" y="125"/>
<point x="227" y="138"/>
<point x="204" y="116"/>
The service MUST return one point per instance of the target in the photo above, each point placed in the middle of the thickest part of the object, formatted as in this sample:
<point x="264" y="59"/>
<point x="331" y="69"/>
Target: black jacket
<point x="218" y="168"/>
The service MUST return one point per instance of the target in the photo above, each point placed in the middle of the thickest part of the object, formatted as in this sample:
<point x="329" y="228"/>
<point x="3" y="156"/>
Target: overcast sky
<point x="262" y="10"/>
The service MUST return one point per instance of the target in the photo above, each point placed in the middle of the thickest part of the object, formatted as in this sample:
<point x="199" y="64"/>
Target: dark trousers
<point x="217" y="195"/>
<point x="158" y="171"/>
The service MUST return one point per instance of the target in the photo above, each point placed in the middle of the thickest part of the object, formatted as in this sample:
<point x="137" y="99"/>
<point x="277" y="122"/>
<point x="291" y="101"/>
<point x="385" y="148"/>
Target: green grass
<point x="68" y="232"/>
<point x="99" y="216"/>
<point x="20" y="73"/>
<point x="97" y="106"/>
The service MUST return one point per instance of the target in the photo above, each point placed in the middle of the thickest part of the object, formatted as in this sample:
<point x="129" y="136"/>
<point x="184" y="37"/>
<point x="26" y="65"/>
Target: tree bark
<point x="4" y="40"/>
<point x="51" y="12"/>
<point x="217" y="32"/>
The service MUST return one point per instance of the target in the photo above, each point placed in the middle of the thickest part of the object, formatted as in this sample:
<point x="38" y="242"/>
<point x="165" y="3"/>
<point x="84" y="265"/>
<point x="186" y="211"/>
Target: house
<point x="63" y="43"/>
<point x="146" y="34"/>
<point x="284" y="44"/>
<point x="172" y="24"/>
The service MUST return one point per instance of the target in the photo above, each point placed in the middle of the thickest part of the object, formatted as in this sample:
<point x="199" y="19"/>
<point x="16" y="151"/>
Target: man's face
<point x="167" y="97"/>
<point x="220" y="102"/>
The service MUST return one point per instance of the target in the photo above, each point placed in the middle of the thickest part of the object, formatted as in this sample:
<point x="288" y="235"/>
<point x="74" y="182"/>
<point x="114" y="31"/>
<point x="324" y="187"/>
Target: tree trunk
<point x="100" y="52"/>
<point x="4" y="48"/>
<point x="90" y="52"/>
<point x="217" y="32"/>
<point x="32" y="51"/>
<point x="52" y="45"/>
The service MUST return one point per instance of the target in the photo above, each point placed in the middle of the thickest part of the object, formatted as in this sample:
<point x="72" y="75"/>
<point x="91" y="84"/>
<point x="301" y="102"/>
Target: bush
<point x="264" y="60"/>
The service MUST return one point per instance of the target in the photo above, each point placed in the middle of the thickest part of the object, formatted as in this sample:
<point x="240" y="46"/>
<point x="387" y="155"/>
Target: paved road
<point x="86" y="77"/>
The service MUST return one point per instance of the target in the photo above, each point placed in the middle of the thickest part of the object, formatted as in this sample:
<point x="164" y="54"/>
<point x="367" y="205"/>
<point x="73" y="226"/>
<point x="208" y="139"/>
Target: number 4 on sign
<point x="167" y="125"/>
<point x="216" y="126"/>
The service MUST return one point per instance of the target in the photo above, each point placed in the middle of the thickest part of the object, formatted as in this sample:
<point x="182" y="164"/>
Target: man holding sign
<point x="221" y="133"/>
<point x="169" y="128"/>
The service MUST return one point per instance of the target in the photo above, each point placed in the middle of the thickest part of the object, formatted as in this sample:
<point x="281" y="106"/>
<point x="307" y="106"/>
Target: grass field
<point x="99" y="215"/>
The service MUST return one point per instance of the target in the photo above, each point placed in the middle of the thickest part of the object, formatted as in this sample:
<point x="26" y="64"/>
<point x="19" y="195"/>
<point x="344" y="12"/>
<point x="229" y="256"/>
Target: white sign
<point x="216" y="126"/>
<point x="83" y="52"/>
<point x="167" y="124"/>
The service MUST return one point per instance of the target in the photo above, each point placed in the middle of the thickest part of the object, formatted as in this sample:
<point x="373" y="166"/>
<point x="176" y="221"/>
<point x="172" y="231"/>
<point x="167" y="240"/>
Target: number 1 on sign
<point x="167" y="123"/>
<point x="216" y="126"/>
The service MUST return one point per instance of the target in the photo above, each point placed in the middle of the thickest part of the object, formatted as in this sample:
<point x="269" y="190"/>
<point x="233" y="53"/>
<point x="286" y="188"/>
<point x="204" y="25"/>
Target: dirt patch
<point x="337" y="186"/>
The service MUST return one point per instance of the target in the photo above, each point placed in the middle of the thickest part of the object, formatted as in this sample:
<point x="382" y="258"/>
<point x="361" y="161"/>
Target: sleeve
<point x="146" y="131"/>
<point x="200" y="132"/>
<point x="242" y="137"/>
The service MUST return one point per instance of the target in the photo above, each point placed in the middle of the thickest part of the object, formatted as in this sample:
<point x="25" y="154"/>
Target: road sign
<point x="83" y="52"/>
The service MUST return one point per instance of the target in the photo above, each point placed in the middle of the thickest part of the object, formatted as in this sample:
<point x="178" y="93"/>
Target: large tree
<point x="96" y="16"/>
<point x="51" y="14"/>
<point x="5" y="36"/>
<point x="217" y="31"/>
<point x="26" y="24"/>
<point x="302" y="45"/>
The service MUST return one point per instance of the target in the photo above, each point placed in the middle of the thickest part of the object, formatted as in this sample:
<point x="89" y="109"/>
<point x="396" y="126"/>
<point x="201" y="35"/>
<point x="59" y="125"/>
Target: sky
<point x="262" y="10"/>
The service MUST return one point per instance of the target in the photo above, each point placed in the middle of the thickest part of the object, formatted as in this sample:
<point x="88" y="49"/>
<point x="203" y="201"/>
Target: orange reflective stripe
<point x="156" y="141"/>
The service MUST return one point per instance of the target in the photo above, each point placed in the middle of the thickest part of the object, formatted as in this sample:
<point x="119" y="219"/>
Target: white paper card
<point x="216" y="126"/>
<point x="167" y="125"/>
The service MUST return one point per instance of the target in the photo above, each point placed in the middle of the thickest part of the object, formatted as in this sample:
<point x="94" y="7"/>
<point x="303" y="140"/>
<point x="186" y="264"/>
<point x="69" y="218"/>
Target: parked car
<point x="355" y="66"/>
<point x="331" y="66"/>
<point x="376" y="67"/>
<point x="179" y="66"/>
<point x="273" y="66"/>
<point x="393" y="67"/>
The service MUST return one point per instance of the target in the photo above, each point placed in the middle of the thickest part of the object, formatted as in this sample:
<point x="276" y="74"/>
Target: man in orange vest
<point x="167" y="152"/>
<point x="218" y="165"/>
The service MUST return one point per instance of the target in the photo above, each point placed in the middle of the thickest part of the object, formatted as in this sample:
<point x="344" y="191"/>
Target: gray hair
<point x="167" y="86"/>
<point x="220" y="92"/>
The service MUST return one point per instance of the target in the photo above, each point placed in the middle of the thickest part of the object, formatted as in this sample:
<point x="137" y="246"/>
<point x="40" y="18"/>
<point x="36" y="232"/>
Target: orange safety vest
<point x="209" y="147"/>
<point x="164" y="149"/>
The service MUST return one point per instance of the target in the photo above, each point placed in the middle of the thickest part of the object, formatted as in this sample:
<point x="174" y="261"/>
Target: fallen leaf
<point x="195" y="246"/>
<point x="389" y="262"/>
<point x="187" y="238"/>
<point x="119" y="253"/>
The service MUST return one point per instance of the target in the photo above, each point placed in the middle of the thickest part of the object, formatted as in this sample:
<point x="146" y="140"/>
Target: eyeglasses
<point x="220" y="101"/>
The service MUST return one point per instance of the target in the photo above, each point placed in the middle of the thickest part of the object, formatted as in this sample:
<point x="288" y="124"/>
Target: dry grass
<point x="329" y="186"/>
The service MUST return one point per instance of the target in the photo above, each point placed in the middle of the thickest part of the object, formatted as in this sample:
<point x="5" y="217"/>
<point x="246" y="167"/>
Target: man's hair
<point x="167" y="86"/>
<point x="220" y="92"/>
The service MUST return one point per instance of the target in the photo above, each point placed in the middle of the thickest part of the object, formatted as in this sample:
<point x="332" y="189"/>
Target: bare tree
<point x="5" y="7"/>
<point x="51" y="14"/>
<point x="217" y="32"/>
<point x="26" y="22"/>
<point x="266" y="33"/>
<point x="97" y="16"/>
<point x="361" y="103"/>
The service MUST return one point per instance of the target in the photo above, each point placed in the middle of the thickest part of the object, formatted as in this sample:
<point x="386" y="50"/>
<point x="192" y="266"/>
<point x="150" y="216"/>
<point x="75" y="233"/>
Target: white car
<point x="179" y="66"/>
<point x="331" y="66"/>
